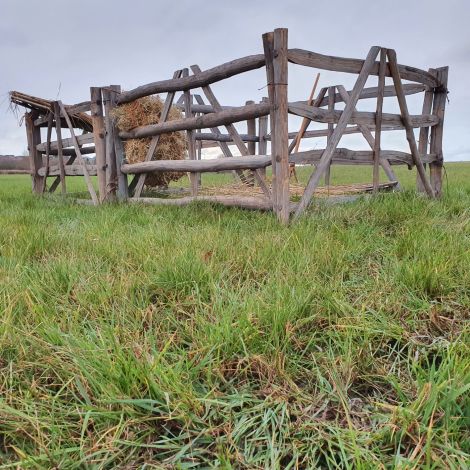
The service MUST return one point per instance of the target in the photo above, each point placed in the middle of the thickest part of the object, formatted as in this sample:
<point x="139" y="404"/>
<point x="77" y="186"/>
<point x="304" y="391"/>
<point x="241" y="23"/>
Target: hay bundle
<point x="171" y="146"/>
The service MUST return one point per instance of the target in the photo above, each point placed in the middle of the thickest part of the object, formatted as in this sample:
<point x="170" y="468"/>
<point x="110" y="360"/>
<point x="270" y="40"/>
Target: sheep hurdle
<point x="112" y="170"/>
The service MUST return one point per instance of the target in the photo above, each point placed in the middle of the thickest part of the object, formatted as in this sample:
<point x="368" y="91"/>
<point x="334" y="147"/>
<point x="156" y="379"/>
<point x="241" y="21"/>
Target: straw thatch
<point x="44" y="107"/>
<point x="171" y="146"/>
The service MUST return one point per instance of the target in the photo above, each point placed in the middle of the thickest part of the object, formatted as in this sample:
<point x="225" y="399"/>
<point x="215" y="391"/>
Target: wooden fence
<point x="65" y="156"/>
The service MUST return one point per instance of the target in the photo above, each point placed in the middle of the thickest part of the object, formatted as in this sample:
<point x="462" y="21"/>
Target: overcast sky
<point x="57" y="49"/>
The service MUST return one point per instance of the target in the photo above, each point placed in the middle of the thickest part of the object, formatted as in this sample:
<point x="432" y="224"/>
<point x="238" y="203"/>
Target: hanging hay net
<point x="171" y="146"/>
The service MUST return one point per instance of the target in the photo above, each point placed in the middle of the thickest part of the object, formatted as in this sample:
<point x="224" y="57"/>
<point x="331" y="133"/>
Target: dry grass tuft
<point x="172" y="146"/>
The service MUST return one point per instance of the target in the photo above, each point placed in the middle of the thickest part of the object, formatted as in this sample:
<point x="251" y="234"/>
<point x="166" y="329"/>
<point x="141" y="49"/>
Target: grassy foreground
<point x="203" y="337"/>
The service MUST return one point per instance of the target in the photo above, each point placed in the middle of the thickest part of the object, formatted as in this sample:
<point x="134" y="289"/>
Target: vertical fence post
<point x="262" y="133"/>
<point x="111" y="171"/>
<point x="438" y="109"/>
<point x="35" y="157"/>
<point x="99" y="138"/>
<point x="119" y="154"/>
<point x="193" y="177"/>
<point x="281" y="138"/>
<point x="331" y="127"/>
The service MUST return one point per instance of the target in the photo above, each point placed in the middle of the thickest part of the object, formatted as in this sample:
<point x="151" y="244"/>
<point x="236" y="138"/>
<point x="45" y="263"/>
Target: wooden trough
<point x="203" y="118"/>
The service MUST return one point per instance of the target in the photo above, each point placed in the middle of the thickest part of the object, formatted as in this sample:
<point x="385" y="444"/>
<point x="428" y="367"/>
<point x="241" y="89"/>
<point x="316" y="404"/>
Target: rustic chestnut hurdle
<point x="119" y="180"/>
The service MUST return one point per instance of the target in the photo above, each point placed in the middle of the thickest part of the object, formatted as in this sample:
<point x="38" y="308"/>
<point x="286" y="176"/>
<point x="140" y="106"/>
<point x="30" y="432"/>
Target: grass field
<point x="204" y="337"/>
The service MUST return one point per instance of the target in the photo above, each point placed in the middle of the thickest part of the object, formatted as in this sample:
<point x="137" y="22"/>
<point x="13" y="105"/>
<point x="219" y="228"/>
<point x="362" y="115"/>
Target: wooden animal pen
<point x="119" y="180"/>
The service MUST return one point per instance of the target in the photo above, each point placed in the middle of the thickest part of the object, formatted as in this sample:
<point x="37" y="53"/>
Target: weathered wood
<point x="71" y="151"/>
<point x="366" y="132"/>
<point x="331" y="128"/>
<point x="372" y="92"/>
<point x="407" y="121"/>
<point x="34" y="139"/>
<point x="68" y="142"/>
<point x="71" y="110"/>
<point x="70" y="170"/>
<point x="111" y="169"/>
<point x="439" y="105"/>
<point x="221" y="118"/>
<point x="424" y="134"/>
<point x="250" y="130"/>
<point x="281" y="141"/>
<point x="262" y="132"/>
<point x="218" y="137"/>
<point x="99" y="135"/>
<point x="80" y="159"/>
<point x="15" y="172"/>
<point x="342" y="64"/>
<point x="201" y="79"/>
<point x="268" y="47"/>
<point x="367" y="93"/>
<point x="338" y="132"/>
<point x="60" y="153"/>
<point x="231" y="129"/>
<point x="360" y="117"/>
<point x="50" y="122"/>
<point x="244" y="202"/>
<point x="122" y="184"/>
<point x="378" y="118"/>
<point x="193" y="178"/>
<point x="139" y="183"/>
<point x="262" y="161"/>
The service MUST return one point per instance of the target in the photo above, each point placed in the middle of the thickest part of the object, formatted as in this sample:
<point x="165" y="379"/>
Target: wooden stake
<point x="60" y="154"/>
<point x="100" y="139"/>
<point x="393" y="66"/>
<point x="331" y="128"/>
<point x="262" y="132"/>
<point x="268" y="45"/>
<point x="193" y="177"/>
<point x="338" y="132"/>
<point x="34" y="138"/>
<point x="439" y="106"/>
<point x="281" y="138"/>
<point x="50" y="121"/>
<point x="378" y="118"/>
<point x="424" y="134"/>
<point x="111" y="170"/>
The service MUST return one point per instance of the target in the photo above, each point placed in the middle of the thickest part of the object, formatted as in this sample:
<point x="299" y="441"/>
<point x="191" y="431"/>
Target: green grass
<point x="206" y="337"/>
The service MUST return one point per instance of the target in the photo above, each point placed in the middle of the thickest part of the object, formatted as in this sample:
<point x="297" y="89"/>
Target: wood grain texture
<point x="342" y="64"/>
<point x="99" y="135"/>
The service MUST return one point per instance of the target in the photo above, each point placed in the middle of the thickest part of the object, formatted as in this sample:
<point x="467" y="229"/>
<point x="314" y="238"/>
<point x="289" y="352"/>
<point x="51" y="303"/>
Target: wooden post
<point x="268" y="45"/>
<point x="100" y="139"/>
<point x="122" y="185"/>
<point x="251" y="130"/>
<point x="281" y="138"/>
<point x="331" y="128"/>
<point x="193" y="177"/>
<point x="424" y="133"/>
<point x="111" y="169"/>
<point x="262" y="132"/>
<point x="35" y="158"/>
<point x="439" y="106"/>
<point x="50" y="122"/>
<point x="378" y="119"/>
<point x="410" y="136"/>
<point x="60" y="155"/>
